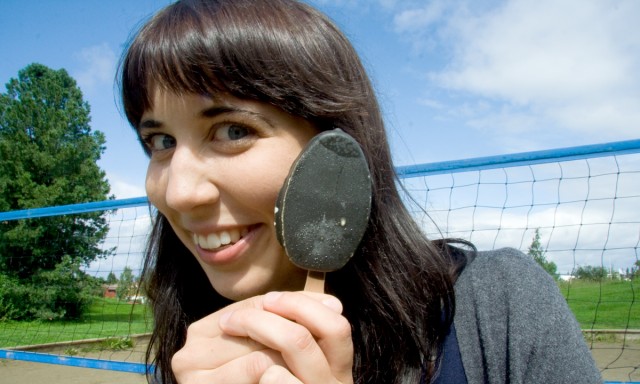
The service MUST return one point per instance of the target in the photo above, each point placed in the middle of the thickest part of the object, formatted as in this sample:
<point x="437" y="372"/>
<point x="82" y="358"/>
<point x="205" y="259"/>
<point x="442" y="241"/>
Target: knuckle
<point x="274" y="374"/>
<point x="257" y="363"/>
<point x="193" y="329"/>
<point x="178" y="361"/>
<point x="303" y="340"/>
<point x="342" y="328"/>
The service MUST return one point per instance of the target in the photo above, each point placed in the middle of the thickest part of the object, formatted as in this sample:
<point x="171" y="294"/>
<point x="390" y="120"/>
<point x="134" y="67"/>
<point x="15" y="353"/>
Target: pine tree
<point x="48" y="156"/>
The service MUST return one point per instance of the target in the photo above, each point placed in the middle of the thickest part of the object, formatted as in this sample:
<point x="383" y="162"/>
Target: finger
<point x="299" y="349"/>
<point x="207" y="346"/>
<point x="206" y="353"/>
<point x="320" y="314"/>
<point x="247" y="369"/>
<point x="297" y="345"/>
<point x="278" y="375"/>
<point x="208" y="325"/>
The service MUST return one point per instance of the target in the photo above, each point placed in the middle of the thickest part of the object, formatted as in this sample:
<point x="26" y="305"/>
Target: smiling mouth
<point x="217" y="240"/>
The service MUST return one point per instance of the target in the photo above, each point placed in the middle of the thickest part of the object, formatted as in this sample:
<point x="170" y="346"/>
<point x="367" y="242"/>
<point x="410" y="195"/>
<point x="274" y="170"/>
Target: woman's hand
<point x="281" y="337"/>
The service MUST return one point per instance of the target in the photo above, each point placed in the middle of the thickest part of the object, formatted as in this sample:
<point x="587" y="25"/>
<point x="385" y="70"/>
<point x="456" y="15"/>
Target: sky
<point x="455" y="79"/>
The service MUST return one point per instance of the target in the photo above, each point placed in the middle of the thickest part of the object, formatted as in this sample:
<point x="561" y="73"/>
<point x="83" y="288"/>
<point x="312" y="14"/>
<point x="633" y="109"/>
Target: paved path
<point x="618" y="362"/>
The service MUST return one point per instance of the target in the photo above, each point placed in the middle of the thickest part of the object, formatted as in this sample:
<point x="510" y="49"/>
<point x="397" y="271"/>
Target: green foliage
<point x="111" y="278"/>
<point x="62" y="293"/>
<point x="634" y="272"/>
<point x="115" y="344"/>
<point x="592" y="273"/>
<point x="127" y="285"/>
<point x="48" y="156"/>
<point x="538" y="253"/>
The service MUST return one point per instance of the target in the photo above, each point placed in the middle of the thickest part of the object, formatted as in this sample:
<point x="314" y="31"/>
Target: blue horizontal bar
<point x="520" y="159"/>
<point x="74" y="208"/>
<point x="465" y="165"/>
<point x="120" y="366"/>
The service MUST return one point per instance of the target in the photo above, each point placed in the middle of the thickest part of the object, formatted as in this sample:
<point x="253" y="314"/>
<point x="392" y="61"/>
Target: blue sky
<point x="456" y="79"/>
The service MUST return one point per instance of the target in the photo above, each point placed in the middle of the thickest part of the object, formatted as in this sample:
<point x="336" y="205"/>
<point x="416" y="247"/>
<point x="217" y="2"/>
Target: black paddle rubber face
<point x="323" y="207"/>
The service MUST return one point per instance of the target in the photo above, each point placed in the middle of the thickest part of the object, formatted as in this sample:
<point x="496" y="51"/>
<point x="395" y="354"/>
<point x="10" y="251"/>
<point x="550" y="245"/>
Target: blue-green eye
<point x="232" y="132"/>
<point x="159" y="142"/>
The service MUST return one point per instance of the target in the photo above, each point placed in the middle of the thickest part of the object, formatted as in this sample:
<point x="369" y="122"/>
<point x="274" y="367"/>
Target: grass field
<point x="596" y="305"/>
<point x="105" y="318"/>
<point x="610" y="304"/>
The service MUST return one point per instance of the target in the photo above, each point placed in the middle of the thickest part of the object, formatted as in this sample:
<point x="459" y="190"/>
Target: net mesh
<point x="585" y="213"/>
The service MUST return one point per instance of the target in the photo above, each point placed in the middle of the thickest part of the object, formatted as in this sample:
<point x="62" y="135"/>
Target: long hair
<point x="397" y="290"/>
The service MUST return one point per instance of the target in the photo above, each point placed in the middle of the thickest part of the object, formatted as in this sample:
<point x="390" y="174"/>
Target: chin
<point x="238" y="291"/>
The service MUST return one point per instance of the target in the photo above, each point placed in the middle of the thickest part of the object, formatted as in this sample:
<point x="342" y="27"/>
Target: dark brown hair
<point x="398" y="288"/>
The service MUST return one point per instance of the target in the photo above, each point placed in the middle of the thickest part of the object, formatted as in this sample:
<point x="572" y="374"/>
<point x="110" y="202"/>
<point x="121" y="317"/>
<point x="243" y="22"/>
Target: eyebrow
<point x="223" y="109"/>
<point x="149" y="123"/>
<point x="210" y="112"/>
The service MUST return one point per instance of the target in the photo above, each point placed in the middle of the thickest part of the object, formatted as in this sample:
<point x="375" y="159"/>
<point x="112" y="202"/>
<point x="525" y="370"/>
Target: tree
<point x="48" y="156"/>
<point x="592" y="273"/>
<point x="111" y="278"/>
<point x="127" y="285"/>
<point x="538" y="253"/>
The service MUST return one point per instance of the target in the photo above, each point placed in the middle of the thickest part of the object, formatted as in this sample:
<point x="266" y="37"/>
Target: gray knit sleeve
<point x="514" y="326"/>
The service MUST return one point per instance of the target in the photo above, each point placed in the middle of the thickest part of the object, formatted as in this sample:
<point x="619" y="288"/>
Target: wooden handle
<point x="315" y="282"/>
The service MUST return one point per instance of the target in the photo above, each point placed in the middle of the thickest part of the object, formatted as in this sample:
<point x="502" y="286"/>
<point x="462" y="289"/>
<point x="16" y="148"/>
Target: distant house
<point x="566" y="277"/>
<point x="109" y="290"/>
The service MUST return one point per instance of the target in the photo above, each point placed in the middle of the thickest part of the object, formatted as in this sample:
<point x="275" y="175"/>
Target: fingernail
<point x="333" y="303"/>
<point x="271" y="297"/>
<point x="224" y="318"/>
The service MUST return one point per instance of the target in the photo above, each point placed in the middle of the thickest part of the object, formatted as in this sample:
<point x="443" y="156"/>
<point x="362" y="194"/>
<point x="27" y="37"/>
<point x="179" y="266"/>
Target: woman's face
<point x="216" y="168"/>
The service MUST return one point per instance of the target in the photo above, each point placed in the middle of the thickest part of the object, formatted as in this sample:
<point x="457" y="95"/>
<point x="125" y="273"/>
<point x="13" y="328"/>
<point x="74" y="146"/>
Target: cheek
<point x="263" y="180"/>
<point x="154" y="186"/>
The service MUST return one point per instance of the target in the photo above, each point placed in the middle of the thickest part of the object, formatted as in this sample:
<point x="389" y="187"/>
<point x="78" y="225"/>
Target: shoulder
<point x="504" y="298"/>
<point x="506" y="282"/>
<point x="503" y="267"/>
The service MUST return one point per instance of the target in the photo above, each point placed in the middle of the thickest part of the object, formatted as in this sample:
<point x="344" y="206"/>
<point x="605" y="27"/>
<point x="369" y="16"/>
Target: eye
<point x="159" y="142"/>
<point x="231" y="132"/>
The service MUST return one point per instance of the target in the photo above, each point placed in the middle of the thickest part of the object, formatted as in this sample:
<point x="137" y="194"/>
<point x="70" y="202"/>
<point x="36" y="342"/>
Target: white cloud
<point x="417" y="19"/>
<point x="574" y="62"/>
<point x="129" y="229"/>
<point x="586" y="210"/>
<point x="123" y="189"/>
<point x="98" y="67"/>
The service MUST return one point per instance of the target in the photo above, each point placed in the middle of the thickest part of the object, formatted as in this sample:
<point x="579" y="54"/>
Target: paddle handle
<point x="315" y="282"/>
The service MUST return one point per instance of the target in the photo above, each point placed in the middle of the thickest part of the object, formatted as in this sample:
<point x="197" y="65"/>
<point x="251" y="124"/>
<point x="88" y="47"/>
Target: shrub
<point x="62" y="293"/>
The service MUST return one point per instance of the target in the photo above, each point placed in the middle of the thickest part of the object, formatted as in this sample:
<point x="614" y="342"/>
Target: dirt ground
<point x="619" y="364"/>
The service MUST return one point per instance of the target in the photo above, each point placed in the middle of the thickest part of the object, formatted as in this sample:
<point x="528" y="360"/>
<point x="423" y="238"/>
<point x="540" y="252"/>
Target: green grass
<point x="106" y="318"/>
<point x="596" y="305"/>
<point x="610" y="304"/>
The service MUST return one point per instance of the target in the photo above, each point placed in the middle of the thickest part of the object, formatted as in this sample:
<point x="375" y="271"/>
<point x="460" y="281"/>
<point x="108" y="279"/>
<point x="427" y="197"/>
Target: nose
<point x="190" y="181"/>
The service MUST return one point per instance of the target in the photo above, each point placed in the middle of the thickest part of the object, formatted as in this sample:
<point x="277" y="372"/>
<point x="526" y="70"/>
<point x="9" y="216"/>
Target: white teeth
<point x="213" y="241"/>
<point x="225" y="238"/>
<point x="235" y="235"/>
<point x="216" y="240"/>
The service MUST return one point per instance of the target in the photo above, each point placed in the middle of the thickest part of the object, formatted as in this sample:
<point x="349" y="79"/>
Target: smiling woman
<point x="217" y="165"/>
<point x="224" y="95"/>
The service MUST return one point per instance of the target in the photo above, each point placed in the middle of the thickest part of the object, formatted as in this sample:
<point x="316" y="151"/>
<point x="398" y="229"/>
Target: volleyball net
<point x="575" y="209"/>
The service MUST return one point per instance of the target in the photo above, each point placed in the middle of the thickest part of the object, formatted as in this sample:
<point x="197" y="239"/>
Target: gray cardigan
<point x="514" y="326"/>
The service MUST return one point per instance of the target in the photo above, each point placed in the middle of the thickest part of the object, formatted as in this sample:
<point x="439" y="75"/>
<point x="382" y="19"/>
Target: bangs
<point x="169" y="53"/>
<point x="280" y="52"/>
